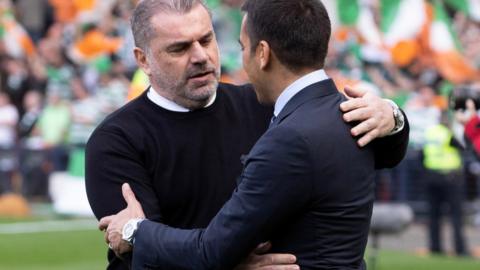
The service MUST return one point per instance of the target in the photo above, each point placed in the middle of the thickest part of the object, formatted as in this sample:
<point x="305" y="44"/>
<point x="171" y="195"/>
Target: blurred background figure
<point x="52" y="128"/>
<point x="8" y="122"/>
<point x="33" y="160"/>
<point x="423" y="113"/>
<point x="445" y="184"/>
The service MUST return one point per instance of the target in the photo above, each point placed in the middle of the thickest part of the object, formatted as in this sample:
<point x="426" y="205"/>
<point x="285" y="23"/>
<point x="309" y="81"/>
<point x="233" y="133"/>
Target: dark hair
<point x="142" y="27"/>
<point x="298" y="31"/>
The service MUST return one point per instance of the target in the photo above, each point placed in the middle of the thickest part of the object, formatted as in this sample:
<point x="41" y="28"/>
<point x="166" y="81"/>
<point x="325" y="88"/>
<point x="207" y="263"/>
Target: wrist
<point x="130" y="229"/>
<point x="398" y="117"/>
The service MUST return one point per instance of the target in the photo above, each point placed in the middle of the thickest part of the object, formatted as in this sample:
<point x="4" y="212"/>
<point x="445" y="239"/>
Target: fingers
<point x="275" y="259"/>
<point x="354" y="92"/>
<point x="375" y="117"/>
<point x="263" y="248"/>
<point x="104" y="222"/>
<point x="353" y="104"/>
<point x="105" y="236"/>
<point x="367" y="138"/>
<point x="370" y="124"/>
<point x="128" y="194"/>
<point x="281" y="267"/>
<point x="360" y="114"/>
<point x="117" y="244"/>
<point x="268" y="261"/>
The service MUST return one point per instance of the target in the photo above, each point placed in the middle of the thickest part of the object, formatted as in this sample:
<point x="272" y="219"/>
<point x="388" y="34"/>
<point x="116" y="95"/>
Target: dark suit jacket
<point x="306" y="186"/>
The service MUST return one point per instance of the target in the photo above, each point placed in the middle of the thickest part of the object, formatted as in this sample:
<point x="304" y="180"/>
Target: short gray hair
<point x="142" y="28"/>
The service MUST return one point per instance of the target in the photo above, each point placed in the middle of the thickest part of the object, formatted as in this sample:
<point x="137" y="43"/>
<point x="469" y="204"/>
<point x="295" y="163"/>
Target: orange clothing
<point x="84" y="5"/>
<point x="64" y="10"/>
<point x="95" y="43"/>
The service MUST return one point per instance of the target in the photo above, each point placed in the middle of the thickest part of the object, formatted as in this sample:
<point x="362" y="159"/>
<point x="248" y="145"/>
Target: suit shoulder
<point x="285" y="136"/>
<point x="320" y="117"/>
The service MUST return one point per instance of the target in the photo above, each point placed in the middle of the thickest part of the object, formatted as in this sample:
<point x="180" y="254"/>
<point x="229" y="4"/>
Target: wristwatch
<point x="397" y="116"/>
<point x="130" y="229"/>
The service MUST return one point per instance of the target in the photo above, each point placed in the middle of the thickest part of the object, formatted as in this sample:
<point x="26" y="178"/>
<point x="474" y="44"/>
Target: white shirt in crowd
<point x="8" y="122"/>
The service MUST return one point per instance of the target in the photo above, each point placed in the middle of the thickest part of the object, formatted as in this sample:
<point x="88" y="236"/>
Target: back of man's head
<point x="298" y="31"/>
<point x="142" y="29"/>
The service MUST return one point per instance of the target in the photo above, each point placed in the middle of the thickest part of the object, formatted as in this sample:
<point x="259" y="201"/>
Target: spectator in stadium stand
<point x="57" y="70"/>
<point x="8" y="123"/>
<point x="31" y="150"/>
<point x="444" y="186"/>
<point x="422" y="114"/>
<point x="179" y="144"/>
<point x="15" y="80"/>
<point x="85" y="115"/>
<point x="52" y="127"/>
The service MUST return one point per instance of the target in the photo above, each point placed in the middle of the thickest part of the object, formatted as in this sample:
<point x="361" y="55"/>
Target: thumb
<point x="262" y="248"/>
<point x="128" y="195"/>
<point x="354" y="92"/>
<point x="104" y="222"/>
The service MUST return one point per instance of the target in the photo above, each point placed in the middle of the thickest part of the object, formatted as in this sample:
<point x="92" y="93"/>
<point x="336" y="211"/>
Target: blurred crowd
<point x="66" y="64"/>
<point x="424" y="55"/>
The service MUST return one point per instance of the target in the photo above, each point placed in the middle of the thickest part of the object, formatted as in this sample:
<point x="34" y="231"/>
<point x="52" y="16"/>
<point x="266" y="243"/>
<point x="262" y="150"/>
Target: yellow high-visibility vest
<point x="439" y="155"/>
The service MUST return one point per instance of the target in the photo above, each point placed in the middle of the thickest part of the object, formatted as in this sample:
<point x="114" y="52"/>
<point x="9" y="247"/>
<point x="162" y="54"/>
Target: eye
<point x="179" y="49"/>
<point x="241" y="45"/>
<point x="206" y="40"/>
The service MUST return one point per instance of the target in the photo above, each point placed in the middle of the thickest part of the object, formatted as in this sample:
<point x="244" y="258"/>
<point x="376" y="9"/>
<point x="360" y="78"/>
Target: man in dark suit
<point x="306" y="184"/>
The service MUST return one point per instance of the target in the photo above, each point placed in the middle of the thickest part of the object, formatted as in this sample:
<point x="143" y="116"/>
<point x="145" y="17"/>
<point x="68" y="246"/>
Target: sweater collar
<point x="169" y="105"/>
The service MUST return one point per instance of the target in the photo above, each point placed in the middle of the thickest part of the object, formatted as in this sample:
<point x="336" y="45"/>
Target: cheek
<point x="245" y="60"/>
<point x="172" y="68"/>
<point x="214" y="54"/>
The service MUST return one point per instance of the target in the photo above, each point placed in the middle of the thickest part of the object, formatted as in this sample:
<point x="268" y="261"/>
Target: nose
<point x="199" y="54"/>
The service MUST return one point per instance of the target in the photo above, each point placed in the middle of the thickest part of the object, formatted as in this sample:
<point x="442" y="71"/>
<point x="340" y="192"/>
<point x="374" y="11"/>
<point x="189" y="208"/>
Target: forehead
<point x="172" y="26"/>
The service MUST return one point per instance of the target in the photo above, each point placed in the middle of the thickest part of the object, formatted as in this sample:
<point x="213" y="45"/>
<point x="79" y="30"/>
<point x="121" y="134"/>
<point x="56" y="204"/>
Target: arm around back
<point x="275" y="184"/>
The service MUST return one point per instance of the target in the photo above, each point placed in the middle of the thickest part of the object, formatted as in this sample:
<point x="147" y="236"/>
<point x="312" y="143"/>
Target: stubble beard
<point x="190" y="96"/>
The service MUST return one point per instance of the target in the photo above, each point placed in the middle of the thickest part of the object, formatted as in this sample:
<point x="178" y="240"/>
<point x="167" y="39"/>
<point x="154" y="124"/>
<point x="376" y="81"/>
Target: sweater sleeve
<point x="111" y="160"/>
<point x="390" y="150"/>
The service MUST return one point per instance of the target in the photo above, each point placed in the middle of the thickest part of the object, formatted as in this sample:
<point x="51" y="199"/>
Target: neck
<point x="189" y="104"/>
<point x="285" y="77"/>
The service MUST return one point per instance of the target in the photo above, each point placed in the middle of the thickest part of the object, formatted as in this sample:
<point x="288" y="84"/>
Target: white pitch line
<point x="48" y="226"/>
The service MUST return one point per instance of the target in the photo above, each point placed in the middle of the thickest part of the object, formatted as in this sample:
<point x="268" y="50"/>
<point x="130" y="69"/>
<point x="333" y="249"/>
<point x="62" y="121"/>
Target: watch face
<point x="128" y="230"/>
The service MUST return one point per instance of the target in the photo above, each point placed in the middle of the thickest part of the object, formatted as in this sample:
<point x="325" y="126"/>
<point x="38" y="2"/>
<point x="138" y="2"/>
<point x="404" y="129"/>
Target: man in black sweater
<point x="179" y="145"/>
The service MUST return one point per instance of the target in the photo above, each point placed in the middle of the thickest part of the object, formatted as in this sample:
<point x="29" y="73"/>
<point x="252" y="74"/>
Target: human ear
<point x="141" y="58"/>
<point x="264" y="51"/>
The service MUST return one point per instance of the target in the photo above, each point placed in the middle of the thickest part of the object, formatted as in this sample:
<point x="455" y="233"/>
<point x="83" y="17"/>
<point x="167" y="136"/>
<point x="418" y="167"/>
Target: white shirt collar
<point x="297" y="86"/>
<point x="167" y="104"/>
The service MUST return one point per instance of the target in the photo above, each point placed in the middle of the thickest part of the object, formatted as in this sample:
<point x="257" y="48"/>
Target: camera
<point x="459" y="97"/>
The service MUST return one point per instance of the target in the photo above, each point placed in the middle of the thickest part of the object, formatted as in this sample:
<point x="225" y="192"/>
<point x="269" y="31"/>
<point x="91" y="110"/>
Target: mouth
<point x="201" y="75"/>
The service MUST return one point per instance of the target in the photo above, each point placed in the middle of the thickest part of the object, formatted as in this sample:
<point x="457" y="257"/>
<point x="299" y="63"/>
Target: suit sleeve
<point x="390" y="150"/>
<point x="276" y="182"/>
<point x="111" y="161"/>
